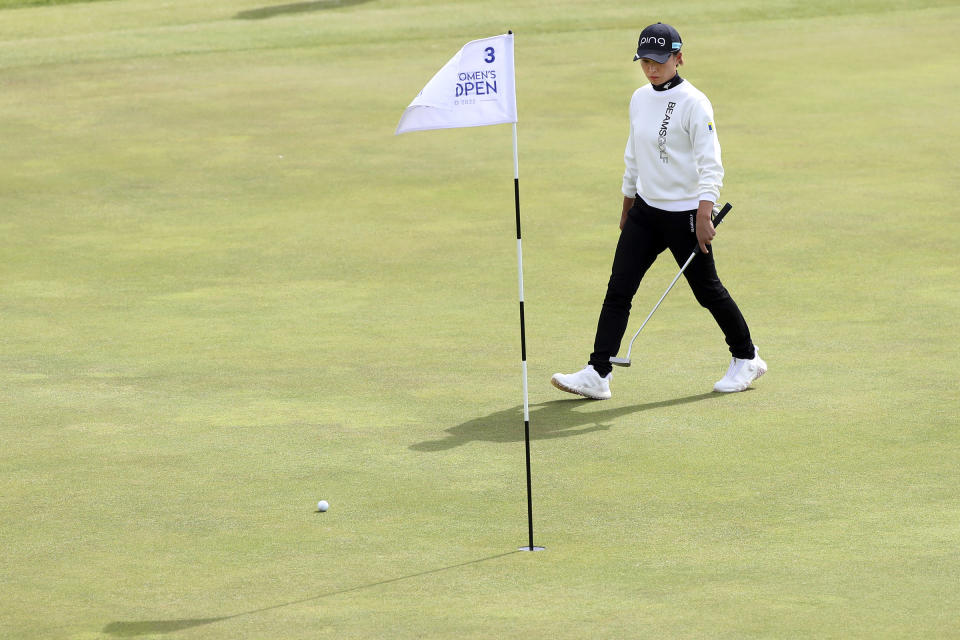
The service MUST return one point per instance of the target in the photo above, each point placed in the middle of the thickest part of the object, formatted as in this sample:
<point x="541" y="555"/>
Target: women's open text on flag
<point x="474" y="89"/>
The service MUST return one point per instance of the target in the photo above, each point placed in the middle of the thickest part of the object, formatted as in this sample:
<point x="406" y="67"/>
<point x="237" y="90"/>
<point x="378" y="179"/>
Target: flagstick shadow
<point x="151" y="627"/>
<point x="548" y="420"/>
<point x="146" y="627"/>
<point x="296" y="7"/>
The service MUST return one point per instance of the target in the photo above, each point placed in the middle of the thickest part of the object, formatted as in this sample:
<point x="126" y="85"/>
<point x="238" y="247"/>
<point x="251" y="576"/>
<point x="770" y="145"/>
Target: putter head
<point x="620" y="362"/>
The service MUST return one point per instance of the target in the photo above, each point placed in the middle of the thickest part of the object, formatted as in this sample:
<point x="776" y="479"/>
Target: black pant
<point x="646" y="233"/>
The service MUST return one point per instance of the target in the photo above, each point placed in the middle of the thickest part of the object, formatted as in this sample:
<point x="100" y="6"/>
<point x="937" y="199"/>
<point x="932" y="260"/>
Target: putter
<point x="717" y="219"/>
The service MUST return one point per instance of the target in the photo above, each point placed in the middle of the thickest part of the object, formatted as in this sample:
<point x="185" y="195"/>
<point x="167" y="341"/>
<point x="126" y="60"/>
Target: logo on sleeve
<point x="710" y="126"/>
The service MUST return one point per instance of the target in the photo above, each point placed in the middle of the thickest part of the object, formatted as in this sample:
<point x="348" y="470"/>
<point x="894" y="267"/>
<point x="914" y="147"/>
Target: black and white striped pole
<point x="523" y="344"/>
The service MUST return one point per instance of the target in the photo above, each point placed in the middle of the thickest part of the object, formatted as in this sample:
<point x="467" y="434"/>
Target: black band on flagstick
<point x="530" y="547"/>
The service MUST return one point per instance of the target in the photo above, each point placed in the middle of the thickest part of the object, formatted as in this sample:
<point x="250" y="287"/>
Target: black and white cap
<point x="657" y="42"/>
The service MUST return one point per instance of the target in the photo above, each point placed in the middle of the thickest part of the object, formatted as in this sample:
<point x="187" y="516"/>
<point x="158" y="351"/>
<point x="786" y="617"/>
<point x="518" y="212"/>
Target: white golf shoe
<point x="741" y="373"/>
<point x="586" y="382"/>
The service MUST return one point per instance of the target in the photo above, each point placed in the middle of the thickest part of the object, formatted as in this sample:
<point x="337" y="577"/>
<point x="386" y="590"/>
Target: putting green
<point x="228" y="291"/>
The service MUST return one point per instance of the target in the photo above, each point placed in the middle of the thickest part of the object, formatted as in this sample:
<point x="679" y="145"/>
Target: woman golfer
<point x="672" y="180"/>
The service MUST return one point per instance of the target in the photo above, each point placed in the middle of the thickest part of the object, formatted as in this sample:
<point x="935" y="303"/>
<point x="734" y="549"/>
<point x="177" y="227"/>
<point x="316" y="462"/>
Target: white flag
<point x="474" y="89"/>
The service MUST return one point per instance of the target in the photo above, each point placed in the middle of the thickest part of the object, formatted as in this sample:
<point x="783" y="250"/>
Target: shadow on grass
<point x="296" y="7"/>
<point x="548" y="420"/>
<point x="148" y="627"/>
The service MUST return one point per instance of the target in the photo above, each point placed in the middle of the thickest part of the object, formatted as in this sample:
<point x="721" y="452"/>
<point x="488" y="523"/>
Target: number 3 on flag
<point x="490" y="57"/>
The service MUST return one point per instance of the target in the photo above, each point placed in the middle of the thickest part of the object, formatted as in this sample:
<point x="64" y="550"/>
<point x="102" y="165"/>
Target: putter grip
<point x="723" y="212"/>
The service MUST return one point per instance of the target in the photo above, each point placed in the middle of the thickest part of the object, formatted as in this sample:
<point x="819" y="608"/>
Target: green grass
<point x="228" y="291"/>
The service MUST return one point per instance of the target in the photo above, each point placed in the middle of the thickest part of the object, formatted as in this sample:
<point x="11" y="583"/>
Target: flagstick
<point x="523" y="343"/>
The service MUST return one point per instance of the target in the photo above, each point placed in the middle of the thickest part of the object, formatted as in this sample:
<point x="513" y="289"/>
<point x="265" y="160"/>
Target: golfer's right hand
<point x="705" y="232"/>
<point x="623" y="219"/>
<point x="705" y="229"/>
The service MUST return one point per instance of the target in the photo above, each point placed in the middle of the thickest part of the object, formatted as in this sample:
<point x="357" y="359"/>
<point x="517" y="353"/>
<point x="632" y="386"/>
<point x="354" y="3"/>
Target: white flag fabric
<point x="476" y="88"/>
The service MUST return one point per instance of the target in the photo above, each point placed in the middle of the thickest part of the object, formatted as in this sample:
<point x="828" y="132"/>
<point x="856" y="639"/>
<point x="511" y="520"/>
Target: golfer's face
<point x="658" y="73"/>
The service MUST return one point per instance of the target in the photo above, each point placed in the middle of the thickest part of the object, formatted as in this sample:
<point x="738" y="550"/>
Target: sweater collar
<point x="669" y="84"/>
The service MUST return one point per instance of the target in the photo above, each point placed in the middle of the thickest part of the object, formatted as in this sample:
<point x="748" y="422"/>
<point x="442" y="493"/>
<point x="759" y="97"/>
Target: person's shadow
<point x="548" y="420"/>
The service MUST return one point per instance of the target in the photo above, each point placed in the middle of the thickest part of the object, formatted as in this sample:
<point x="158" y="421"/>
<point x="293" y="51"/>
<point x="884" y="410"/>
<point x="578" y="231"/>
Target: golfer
<point x="672" y="180"/>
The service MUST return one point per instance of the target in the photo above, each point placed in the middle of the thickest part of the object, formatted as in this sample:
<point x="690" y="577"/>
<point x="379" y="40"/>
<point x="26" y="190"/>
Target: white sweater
<point x="673" y="155"/>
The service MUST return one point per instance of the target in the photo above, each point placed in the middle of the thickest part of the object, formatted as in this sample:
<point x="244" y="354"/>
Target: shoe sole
<point x="575" y="392"/>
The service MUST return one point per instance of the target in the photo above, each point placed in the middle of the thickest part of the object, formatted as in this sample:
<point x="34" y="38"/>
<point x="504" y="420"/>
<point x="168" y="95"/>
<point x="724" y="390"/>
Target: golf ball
<point x="323" y="505"/>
